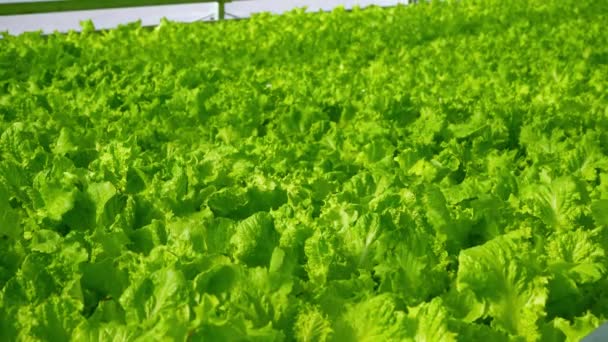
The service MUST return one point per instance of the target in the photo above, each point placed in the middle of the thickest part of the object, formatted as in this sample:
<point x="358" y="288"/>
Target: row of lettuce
<point x="436" y="172"/>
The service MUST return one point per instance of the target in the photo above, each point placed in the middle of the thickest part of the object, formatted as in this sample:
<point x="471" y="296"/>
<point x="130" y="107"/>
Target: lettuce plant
<point x="436" y="172"/>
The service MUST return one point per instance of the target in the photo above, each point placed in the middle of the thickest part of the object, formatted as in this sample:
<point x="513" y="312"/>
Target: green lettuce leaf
<point x="503" y="274"/>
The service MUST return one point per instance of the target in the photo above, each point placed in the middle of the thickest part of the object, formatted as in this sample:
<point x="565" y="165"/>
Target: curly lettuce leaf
<point x="502" y="273"/>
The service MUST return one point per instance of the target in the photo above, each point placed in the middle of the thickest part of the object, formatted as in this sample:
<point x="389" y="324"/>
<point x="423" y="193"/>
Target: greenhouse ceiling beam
<point x="77" y="5"/>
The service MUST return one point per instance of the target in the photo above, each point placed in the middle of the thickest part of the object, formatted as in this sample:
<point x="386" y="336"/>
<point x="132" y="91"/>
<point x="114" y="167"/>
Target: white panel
<point x="244" y="9"/>
<point x="106" y="18"/>
<point x="151" y="15"/>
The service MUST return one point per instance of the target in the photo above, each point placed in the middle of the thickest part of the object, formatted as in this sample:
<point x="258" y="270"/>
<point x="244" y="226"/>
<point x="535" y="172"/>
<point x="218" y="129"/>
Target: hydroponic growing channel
<point x="436" y="172"/>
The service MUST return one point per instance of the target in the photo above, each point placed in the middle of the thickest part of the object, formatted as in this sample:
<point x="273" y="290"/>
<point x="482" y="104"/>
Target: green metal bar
<point x="222" y="9"/>
<point x="76" y="5"/>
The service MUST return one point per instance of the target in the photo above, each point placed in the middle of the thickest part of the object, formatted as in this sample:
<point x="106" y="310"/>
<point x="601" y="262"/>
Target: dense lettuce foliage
<point x="436" y="172"/>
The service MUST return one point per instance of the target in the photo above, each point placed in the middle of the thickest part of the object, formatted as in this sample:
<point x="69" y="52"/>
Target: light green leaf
<point x="431" y="322"/>
<point x="372" y="319"/>
<point x="503" y="274"/>
<point x="578" y="255"/>
<point x="58" y="199"/>
<point x="254" y="239"/>
<point x="556" y="202"/>
<point x="312" y="326"/>
<point x="578" y="329"/>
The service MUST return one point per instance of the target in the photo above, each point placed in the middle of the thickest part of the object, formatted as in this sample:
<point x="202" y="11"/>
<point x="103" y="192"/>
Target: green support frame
<point x="222" y="9"/>
<point x="76" y="5"/>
